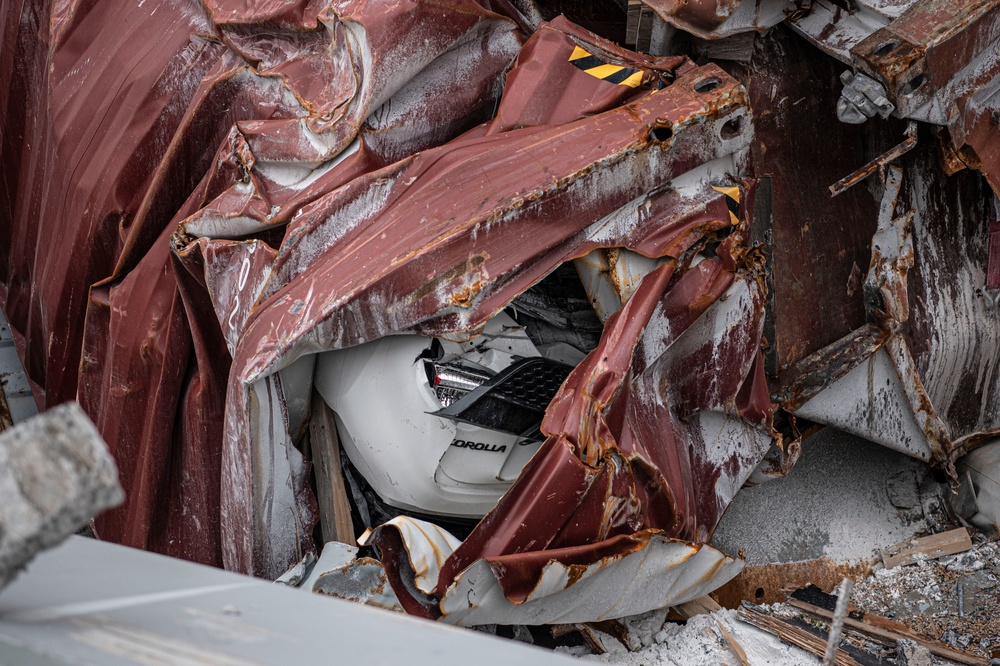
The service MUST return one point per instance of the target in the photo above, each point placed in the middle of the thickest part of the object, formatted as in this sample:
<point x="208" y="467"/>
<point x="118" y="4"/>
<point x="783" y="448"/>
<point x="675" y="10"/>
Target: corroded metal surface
<point x="196" y="204"/>
<point x="715" y="19"/>
<point x="476" y="196"/>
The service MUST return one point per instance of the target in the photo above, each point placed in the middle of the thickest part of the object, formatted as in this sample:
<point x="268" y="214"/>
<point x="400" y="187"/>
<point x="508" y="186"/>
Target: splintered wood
<point x="699" y="606"/>
<point x="886" y="632"/>
<point x="793" y="634"/>
<point x="933" y="546"/>
<point x="734" y="646"/>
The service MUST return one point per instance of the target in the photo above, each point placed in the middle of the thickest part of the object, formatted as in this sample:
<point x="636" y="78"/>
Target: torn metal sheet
<point x="237" y="133"/>
<point x="434" y="286"/>
<point x="564" y="590"/>
<point x="716" y="19"/>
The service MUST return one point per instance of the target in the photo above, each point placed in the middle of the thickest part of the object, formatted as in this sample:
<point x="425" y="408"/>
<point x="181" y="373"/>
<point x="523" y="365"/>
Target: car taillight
<point x="452" y="381"/>
<point x="513" y="400"/>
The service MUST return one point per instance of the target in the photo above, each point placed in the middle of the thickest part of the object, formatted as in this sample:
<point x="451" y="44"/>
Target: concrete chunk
<point x="56" y="473"/>
<point x="911" y="653"/>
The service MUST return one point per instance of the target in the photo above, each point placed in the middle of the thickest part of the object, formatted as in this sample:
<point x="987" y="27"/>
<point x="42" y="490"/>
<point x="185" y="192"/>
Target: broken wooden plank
<point x="883" y="630"/>
<point x="700" y="606"/>
<point x="933" y="546"/>
<point x="331" y="492"/>
<point x="734" y="646"/>
<point x="805" y="636"/>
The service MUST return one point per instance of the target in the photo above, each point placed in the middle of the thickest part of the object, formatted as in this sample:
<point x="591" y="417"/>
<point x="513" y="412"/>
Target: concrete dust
<point x="699" y="642"/>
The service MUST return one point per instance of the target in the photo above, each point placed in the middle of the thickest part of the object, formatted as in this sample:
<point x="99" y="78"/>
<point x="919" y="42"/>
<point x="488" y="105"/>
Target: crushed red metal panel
<point x="715" y="19"/>
<point x="183" y="97"/>
<point x="235" y="190"/>
<point x="434" y="285"/>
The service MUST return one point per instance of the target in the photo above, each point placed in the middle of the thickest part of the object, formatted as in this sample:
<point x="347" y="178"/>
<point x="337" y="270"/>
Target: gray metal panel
<point x="13" y="381"/>
<point x="90" y="602"/>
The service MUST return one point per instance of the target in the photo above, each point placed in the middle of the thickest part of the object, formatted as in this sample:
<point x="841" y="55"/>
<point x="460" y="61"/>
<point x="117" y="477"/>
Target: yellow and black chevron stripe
<point x="591" y="64"/>
<point x="732" y="194"/>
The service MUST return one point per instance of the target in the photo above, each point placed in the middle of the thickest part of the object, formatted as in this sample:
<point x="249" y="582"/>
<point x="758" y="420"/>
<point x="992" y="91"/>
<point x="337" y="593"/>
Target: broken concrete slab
<point x="55" y="474"/>
<point x="844" y="499"/>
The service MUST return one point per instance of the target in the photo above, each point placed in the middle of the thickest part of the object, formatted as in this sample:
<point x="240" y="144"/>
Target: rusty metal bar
<point x="899" y="150"/>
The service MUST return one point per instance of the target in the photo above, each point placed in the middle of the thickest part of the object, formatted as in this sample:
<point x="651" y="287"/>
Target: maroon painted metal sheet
<point x="148" y="114"/>
<point x="353" y="269"/>
<point x="197" y="202"/>
<point x="202" y="268"/>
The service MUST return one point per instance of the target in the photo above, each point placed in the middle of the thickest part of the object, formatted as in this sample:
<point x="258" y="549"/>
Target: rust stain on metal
<point x="464" y="297"/>
<point x="771" y="583"/>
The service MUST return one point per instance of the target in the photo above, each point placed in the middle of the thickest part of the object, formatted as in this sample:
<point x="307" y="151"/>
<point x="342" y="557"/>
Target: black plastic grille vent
<point x="514" y="400"/>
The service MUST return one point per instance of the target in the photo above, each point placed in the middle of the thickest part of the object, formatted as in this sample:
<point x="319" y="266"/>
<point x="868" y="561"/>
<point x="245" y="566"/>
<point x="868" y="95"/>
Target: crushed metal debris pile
<point x="946" y="607"/>
<point x="462" y="309"/>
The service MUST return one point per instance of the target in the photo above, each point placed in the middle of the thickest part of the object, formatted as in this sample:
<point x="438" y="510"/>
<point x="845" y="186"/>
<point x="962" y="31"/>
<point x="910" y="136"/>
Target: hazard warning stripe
<point x="591" y="64"/>
<point x="732" y="201"/>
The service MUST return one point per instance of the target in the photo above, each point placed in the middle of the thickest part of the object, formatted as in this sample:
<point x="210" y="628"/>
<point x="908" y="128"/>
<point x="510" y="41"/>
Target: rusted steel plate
<point x="715" y="19"/>
<point x="976" y="128"/>
<point x="814" y="302"/>
<point x="934" y="53"/>
<point x="932" y="38"/>
<point x="769" y="583"/>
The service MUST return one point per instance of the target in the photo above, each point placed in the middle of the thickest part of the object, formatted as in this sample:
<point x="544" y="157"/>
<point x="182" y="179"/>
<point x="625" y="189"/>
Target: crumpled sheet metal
<point x="332" y="287"/>
<point x="620" y="471"/>
<point x="152" y="343"/>
<point x="716" y="19"/>
<point x="278" y="151"/>
<point x="77" y="150"/>
<point x="646" y="570"/>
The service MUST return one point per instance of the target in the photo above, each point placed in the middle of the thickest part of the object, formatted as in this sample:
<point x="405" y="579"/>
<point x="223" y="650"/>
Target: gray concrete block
<point x="56" y="473"/>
